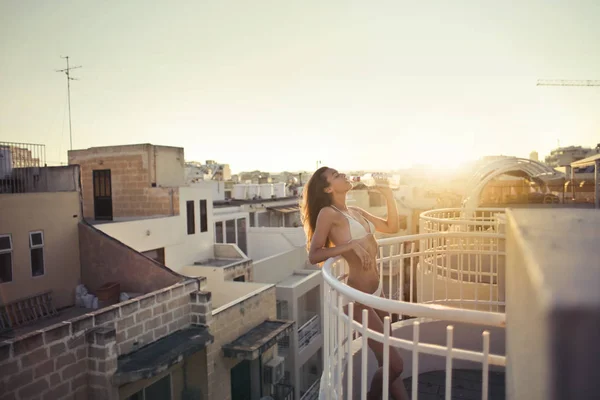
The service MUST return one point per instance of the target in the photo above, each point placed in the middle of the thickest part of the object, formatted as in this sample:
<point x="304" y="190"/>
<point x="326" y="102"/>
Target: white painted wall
<point x="280" y="266"/>
<point x="217" y="188"/>
<point x="267" y="242"/>
<point x="198" y="246"/>
<point x="146" y="234"/>
<point x="181" y="249"/>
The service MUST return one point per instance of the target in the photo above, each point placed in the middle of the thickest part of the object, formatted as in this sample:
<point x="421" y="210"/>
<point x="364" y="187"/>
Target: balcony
<point x="283" y="391"/>
<point x="312" y="393"/>
<point x="445" y="288"/>
<point x="308" y="332"/>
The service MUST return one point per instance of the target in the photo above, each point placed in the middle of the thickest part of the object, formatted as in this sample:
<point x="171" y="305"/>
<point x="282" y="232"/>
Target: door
<point x="102" y="195"/>
<point x="241" y="381"/>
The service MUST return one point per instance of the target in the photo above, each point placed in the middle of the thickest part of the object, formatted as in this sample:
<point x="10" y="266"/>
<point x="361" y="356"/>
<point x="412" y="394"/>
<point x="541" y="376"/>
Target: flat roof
<point x="257" y="340"/>
<point x="586" y="162"/>
<point x="156" y="357"/>
<point x="295" y="279"/>
<point x="238" y="202"/>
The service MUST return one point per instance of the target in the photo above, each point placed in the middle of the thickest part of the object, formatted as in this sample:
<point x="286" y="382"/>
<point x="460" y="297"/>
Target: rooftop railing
<point x="444" y="289"/>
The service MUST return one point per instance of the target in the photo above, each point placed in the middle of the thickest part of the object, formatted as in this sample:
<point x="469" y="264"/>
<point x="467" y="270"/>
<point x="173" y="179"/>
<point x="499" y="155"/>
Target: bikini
<point x="358" y="231"/>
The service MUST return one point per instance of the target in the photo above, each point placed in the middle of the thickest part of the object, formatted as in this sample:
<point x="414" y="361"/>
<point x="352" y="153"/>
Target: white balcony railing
<point x="447" y="278"/>
<point x="312" y="393"/>
<point x="308" y="331"/>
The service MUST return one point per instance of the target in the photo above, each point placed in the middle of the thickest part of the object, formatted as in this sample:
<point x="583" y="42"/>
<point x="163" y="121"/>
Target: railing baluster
<point x="350" y="365"/>
<point x="401" y="275"/>
<point x="364" y="354"/>
<point x="449" y="340"/>
<point x="339" y="344"/>
<point x="326" y="340"/>
<point x="415" y="360"/>
<point x="386" y="357"/>
<point x="390" y="273"/>
<point x="485" y="365"/>
<point x="412" y="271"/>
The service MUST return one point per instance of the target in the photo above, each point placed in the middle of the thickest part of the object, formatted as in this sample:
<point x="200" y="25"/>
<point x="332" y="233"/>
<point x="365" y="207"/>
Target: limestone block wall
<point x="135" y="191"/>
<point x="75" y="359"/>
<point x="228" y="325"/>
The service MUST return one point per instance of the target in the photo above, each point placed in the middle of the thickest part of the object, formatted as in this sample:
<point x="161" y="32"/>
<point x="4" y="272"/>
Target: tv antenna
<point x="67" y="72"/>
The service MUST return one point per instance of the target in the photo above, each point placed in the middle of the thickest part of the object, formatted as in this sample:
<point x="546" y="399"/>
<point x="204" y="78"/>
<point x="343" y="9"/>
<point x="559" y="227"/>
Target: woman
<point x="334" y="229"/>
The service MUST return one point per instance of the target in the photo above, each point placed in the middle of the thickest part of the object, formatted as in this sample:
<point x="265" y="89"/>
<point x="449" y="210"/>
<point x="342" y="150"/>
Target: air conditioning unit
<point x="274" y="370"/>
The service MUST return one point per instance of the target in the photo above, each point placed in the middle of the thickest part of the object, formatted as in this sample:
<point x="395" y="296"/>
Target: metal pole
<point x="69" y="79"/>
<point x="69" y="101"/>
<point x="596" y="187"/>
<point x="573" y="183"/>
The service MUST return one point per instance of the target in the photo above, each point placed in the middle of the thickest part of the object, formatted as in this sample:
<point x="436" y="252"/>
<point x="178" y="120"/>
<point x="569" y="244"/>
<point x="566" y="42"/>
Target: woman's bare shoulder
<point x="328" y="213"/>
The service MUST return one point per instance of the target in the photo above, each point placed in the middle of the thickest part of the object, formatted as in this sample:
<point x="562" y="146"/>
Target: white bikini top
<point x="357" y="230"/>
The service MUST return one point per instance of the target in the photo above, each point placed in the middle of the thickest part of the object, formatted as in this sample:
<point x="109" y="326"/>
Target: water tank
<point x="240" y="191"/>
<point x="279" y="189"/>
<point x="266" y="190"/>
<point x="5" y="162"/>
<point x="252" y="190"/>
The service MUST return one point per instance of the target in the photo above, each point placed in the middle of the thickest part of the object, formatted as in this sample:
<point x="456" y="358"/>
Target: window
<point x="219" y="232"/>
<point x="36" y="248"/>
<point x="241" y="235"/>
<point x="203" y="217"/>
<point x="157" y="255"/>
<point x="230" y="230"/>
<point x="252" y="214"/>
<point x="191" y="218"/>
<point x="159" y="390"/>
<point x="5" y="258"/>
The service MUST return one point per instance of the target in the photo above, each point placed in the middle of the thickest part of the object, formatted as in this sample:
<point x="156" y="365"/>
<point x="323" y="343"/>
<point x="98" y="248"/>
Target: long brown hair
<point x="314" y="199"/>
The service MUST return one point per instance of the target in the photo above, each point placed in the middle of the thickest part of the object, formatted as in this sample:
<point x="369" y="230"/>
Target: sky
<point x="279" y="85"/>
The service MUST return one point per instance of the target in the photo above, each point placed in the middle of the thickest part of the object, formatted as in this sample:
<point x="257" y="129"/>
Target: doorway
<point x="102" y="195"/>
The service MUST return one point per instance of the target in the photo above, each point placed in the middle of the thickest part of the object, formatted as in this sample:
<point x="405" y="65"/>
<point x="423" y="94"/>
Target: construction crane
<point x="565" y="82"/>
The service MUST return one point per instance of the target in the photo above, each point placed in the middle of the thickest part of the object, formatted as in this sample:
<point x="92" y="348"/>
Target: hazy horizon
<point x="277" y="86"/>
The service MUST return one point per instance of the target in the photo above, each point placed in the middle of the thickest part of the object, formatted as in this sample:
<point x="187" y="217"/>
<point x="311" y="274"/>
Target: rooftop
<point x="160" y="355"/>
<point x="63" y="315"/>
<point x="253" y="343"/>
<point x="297" y="277"/>
<point x="238" y="202"/>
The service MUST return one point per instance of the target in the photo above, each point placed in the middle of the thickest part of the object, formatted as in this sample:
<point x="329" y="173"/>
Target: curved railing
<point x="451" y="276"/>
<point x="459" y="219"/>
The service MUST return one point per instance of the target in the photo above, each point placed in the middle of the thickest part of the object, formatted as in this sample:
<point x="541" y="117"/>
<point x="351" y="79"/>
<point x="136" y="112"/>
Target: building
<point x="52" y="345"/>
<point x="197" y="237"/>
<point x="564" y="156"/>
<point x="534" y="156"/>
<point x="264" y="230"/>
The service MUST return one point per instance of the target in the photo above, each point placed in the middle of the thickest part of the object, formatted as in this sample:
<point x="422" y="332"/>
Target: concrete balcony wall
<point x="552" y="304"/>
<point x="227" y="294"/>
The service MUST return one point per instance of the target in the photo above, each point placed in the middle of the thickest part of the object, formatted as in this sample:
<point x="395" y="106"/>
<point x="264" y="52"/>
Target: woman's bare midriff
<point x="360" y="279"/>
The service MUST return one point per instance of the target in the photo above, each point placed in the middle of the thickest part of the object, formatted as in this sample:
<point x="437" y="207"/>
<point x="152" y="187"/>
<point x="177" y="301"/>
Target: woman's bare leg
<point x="397" y="389"/>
